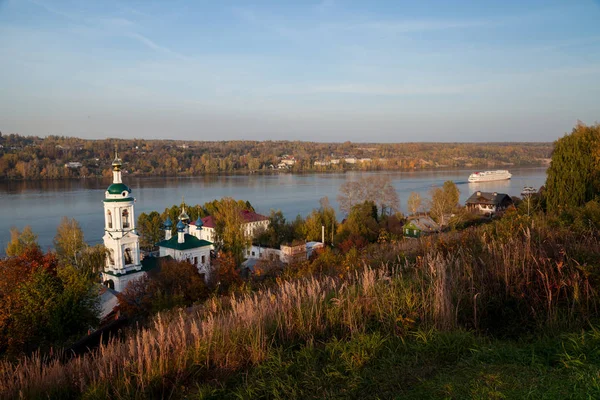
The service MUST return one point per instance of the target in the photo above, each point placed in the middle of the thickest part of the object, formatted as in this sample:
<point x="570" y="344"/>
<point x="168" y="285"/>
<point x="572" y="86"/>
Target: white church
<point x="123" y="263"/>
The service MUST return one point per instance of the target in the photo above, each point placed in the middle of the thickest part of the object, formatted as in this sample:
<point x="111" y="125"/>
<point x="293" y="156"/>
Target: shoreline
<point x="277" y="172"/>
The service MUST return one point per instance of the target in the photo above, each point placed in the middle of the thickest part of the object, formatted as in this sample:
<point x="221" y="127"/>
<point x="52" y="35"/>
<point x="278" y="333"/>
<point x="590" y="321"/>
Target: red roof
<point x="249" y="216"/>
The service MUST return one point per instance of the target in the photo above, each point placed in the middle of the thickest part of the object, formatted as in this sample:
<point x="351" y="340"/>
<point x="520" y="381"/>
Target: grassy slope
<point x="456" y="365"/>
<point x="368" y="333"/>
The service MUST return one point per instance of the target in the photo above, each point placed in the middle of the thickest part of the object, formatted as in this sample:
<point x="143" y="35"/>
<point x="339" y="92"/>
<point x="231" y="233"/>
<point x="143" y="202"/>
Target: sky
<point x="329" y="71"/>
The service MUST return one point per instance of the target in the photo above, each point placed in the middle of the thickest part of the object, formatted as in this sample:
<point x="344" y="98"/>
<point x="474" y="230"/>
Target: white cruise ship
<point x="487" y="176"/>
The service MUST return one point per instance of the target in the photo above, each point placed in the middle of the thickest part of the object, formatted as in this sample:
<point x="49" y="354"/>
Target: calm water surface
<point x="43" y="204"/>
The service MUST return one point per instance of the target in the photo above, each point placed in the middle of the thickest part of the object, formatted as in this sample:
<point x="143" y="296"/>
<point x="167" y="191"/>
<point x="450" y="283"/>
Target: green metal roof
<point x="190" y="242"/>
<point x="123" y="199"/>
<point x="118" y="188"/>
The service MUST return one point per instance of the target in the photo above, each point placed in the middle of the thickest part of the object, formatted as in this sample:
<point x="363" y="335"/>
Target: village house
<point x="488" y="204"/>
<point x="418" y="226"/>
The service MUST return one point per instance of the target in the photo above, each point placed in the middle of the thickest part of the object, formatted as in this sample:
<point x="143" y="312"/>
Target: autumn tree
<point x="443" y="201"/>
<point x="362" y="222"/>
<point x="226" y="274"/>
<point x="376" y="188"/>
<point x="414" y="203"/>
<point x="279" y="231"/>
<point x="574" y="173"/>
<point x="230" y="235"/>
<point x="177" y="284"/>
<point x="149" y="228"/>
<point x="21" y="241"/>
<point x="68" y="241"/>
<point x="91" y="261"/>
<point x="42" y="303"/>
<point x="324" y="216"/>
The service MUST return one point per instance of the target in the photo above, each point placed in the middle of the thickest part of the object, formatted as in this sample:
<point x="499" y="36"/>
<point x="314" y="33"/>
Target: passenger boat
<point x="488" y="176"/>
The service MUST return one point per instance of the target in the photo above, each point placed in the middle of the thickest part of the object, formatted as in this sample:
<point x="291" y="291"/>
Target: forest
<point x="57" y="157"/>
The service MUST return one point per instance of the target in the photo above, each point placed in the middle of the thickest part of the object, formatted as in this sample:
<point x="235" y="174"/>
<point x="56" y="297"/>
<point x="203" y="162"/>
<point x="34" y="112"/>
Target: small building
<point x="311" y="247"/>
<point x="488" y="204"/>
<point x="73" y="164"/>
<point x="286" y="253"/>
<point x="421" y="225"/>
<point x="294" y="252"/>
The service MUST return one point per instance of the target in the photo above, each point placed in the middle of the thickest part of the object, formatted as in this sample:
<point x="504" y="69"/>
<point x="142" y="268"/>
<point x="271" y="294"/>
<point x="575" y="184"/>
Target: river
<point x="42" y="204"/>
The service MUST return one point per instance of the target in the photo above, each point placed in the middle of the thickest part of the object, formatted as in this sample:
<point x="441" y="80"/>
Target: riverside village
<point x="194" y="240"/>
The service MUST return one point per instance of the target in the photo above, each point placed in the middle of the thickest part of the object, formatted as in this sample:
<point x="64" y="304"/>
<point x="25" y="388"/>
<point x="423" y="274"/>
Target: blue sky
<point x="332" y="70"/>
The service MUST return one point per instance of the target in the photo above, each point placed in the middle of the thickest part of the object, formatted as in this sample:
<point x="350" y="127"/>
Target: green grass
<point x="424" y="365"/>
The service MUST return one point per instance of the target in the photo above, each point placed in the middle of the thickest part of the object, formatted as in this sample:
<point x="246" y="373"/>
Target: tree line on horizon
<point x="37" y="158"/>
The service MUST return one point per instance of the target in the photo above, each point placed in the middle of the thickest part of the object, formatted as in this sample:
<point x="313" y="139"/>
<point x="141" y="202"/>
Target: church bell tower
<point x="120" y="238"/>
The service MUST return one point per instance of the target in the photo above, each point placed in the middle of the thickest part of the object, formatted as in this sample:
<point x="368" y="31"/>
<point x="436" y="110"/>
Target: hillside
<point x="504" y="310"/>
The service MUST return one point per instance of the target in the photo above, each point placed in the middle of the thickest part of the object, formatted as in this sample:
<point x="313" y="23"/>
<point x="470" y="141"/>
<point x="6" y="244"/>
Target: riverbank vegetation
<point x="57" y="157"/>
<point x="503" y="307"/>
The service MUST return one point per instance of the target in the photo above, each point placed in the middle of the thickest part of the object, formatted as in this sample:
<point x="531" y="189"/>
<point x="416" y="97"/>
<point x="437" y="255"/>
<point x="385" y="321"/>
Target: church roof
<point x="190" y="242"/>
<point x="118" y="188"/>
<point x="488" y="198"/>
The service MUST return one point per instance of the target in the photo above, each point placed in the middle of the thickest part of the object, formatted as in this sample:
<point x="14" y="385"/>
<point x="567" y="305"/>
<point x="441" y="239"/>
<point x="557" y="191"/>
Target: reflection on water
<point x="494" y="186"/>
<point x="42" y="204"/>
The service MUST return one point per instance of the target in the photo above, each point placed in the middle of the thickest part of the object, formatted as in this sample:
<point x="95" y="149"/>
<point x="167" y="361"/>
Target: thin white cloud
<point x="155" y="46"/>
<point x="120" y="26"/>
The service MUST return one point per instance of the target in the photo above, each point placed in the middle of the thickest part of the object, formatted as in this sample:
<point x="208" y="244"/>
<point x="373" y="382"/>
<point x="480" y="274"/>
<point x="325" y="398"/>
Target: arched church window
<point x="109" y="219"/>
<point x="128" y="257"/>
<point x="111" y="257"/>
<point x="125" y="218"/>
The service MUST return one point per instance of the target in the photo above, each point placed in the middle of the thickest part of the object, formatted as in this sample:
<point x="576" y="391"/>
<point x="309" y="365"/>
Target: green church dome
<point x="118" y="188"/>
